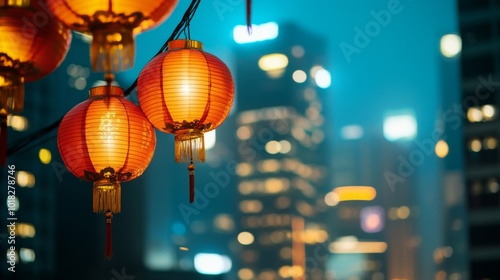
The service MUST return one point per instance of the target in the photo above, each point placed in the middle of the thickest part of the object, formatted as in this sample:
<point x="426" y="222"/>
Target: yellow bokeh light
<point x="475" y="145"/>
<point x="331" y="199"/>
<point x="488" y="112"/>
<point x="25" y="230"/>
<point x="246" y="274"/>
<point x="45" y="156"/>
<point x="490" y="143"/>
<point x="245" y="238"/>
<point x="273" y="147"/>
<point x="244" y="132"/>
<point x="348" y="193"/>
<point x="441" y="149"/>
<point x="25" y="179"/>
<point x="474" y="115"/>
<point x="274" y="61"/>
<point x="18" y="123"/>
<point x="403" y="212"/>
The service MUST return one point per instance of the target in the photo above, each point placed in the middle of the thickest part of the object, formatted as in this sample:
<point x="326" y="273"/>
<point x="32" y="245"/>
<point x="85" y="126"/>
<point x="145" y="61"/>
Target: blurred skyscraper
<point x="480" y="32"/>
<point x="282" y="170"/>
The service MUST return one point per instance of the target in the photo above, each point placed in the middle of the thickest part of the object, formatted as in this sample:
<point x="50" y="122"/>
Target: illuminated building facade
<point x="283" y="156"/>
<point x="480" y="32"/>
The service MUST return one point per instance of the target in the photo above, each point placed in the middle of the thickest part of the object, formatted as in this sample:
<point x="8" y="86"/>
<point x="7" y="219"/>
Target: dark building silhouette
<point x="480" y="68"/>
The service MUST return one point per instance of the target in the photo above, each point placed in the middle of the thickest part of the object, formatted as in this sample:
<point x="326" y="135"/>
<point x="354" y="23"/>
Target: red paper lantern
<point x="113" y="25"/>
<point x="33" y="44"/>
<point x="186" y="91"/>
<point x="106" y="140"/>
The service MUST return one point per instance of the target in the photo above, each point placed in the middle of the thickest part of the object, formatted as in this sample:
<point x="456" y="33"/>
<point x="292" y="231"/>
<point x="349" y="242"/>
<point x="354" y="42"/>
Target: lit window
<point x="474" y="115"/>
<point x="475" y="145"/>
<point x="244" y="169"/>
<point x="25" y="179"/>
<point x="269" y="165"/>
<point x="493" y="186"/>
<point x="25" y="230"/>
<point x="250" y="206"/>
<point x="488" y="112"/>
<point x="490" y="143"/>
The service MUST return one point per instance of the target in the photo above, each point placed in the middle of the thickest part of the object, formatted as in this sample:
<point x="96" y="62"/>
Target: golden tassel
<point x="107" y="197"/>
<point x="189" y="147"/>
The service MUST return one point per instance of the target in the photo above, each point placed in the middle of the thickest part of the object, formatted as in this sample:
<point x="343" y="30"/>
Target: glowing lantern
<point x="113" y="25"/>
<point x="33" y="44"/>
<point x="186" y="91"/>
<point x="106" y="140"/>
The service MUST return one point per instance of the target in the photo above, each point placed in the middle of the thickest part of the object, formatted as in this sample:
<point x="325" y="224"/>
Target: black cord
<point x="22" y="144"/>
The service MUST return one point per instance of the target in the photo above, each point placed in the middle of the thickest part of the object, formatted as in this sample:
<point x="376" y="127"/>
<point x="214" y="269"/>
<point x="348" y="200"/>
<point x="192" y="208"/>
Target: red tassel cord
<point x="191" y="182"/>
<point x="249" y="16"/>
<point x="109" y="245"/>
<point x="3" y="140"/>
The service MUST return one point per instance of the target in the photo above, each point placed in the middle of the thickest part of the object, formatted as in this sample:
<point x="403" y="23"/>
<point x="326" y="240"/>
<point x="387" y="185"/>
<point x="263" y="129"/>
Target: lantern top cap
<point x="106" y="91"/>
<point x="185" y="44"/>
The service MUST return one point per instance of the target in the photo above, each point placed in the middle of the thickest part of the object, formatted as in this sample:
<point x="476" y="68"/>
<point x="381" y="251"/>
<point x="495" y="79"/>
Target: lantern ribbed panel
<point x="33" y="35"/>
<point x="73" y="12"/>
<point x="106" y="131"/>
<point x="185" y="84"/>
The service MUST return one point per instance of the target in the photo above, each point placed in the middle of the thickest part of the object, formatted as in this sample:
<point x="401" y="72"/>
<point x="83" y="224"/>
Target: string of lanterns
<point x="107" y="139"/>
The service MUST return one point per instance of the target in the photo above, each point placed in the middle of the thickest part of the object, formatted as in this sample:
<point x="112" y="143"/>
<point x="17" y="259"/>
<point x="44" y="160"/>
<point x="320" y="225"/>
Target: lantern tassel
<point x="107" y="197"/>
<point x="109" y="240"/>
<point x="249" y="17"/>
<point x="191" y="182"/>
<point x="189" y="147"/>
<point x="3" y="140"/>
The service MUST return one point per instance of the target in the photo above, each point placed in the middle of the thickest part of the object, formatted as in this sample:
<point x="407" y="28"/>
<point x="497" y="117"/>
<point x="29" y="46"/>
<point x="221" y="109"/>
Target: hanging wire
<point x="28" y="142"/>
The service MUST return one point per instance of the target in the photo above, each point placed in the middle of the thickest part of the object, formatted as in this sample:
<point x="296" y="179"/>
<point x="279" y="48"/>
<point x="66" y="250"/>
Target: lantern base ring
<point x="107" y="196"/>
